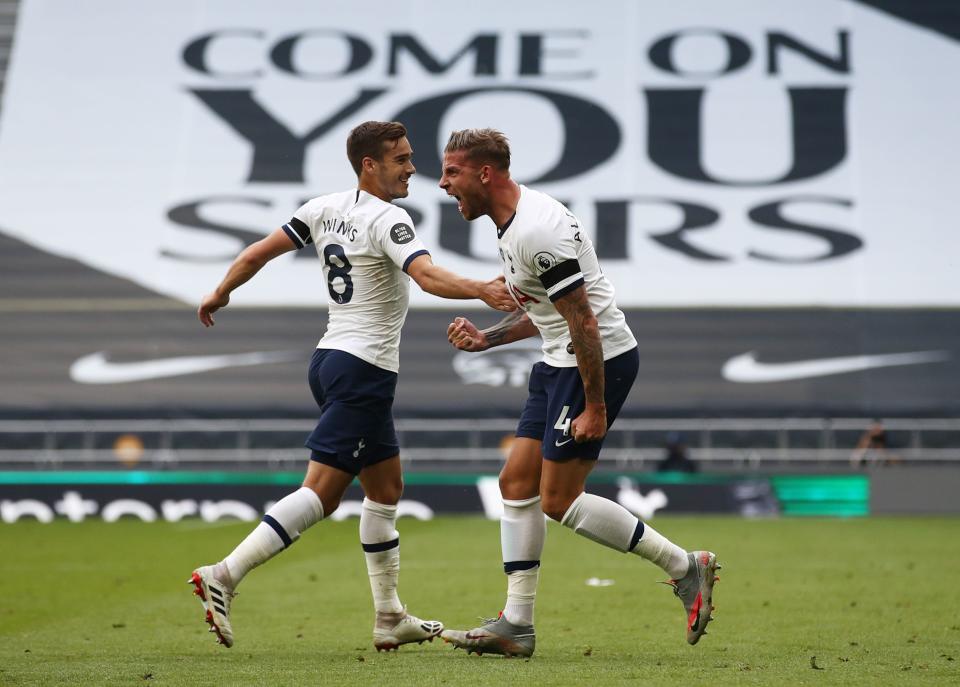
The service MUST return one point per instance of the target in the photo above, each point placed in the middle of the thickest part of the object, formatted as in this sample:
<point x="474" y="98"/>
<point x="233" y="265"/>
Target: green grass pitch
<point x="800" y="602"/>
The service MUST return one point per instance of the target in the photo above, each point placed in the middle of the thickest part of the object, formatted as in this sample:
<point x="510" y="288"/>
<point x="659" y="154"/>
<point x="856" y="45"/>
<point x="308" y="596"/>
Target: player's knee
<point x="330" y="504"/>
<point x="514" y="488"/>
<point x="328" y="493"/>
<point x="507" y="488"/>
<point x="388" y="494"/>
<point x="388" y="497"/>
<point x="555" y="504"/>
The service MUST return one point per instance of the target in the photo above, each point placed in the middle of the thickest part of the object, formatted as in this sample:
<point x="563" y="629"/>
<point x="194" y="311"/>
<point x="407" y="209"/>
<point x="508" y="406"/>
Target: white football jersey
<point x="545" y="255"/>
<point x="365" y="245"/>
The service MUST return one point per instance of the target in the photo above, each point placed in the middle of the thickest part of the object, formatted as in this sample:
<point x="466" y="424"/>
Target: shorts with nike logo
<point x="556" y="398"/>
<point x="355" y="429"/>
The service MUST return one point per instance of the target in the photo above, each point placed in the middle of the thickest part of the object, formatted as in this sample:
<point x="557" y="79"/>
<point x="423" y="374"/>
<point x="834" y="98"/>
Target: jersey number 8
<point x="338" y="266"/>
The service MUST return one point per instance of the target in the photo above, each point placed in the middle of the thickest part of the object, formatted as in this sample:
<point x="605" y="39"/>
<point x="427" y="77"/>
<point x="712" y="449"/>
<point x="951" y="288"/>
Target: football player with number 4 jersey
<point x="590" y="361"/>
<point x="369" y="250"/>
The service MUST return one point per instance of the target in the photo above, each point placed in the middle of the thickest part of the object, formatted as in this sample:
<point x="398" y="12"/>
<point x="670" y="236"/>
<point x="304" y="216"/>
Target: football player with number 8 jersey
<point x="590" y="361"/>
<point x="369" y="250"/>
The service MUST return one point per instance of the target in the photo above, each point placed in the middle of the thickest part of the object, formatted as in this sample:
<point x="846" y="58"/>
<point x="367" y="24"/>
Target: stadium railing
<point x="468" y="444"/>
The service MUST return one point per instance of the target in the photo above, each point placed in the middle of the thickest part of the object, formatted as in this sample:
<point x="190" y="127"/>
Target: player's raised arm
<point x="250" y="261"/>
<point x="585" y="335"/>
<point x="463" y="333"/>
<point x="444" y="283"/>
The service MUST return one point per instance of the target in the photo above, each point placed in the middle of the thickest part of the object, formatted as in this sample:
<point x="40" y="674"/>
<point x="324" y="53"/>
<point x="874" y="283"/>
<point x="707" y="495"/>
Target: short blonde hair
<point x="484" y="146"/>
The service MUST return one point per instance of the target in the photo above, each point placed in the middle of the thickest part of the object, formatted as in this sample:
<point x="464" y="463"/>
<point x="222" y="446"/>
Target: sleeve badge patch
<point x="544" y="261"/>
<point x="401" y="233"/>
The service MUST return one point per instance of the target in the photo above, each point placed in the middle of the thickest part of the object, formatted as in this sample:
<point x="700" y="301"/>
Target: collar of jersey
<point x="363" y="195"/>
<point x="503" y="230"/>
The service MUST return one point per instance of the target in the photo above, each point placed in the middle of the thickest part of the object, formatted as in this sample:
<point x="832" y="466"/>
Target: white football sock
<point x="662" y="552"/>
<point x="381" y="545"/>
<point x="521" y="596"/>
<point x="613" y="525"/>
<point x="522" y="533"/>
<point x="602" y="520"/>
<point x="281" y="526"/>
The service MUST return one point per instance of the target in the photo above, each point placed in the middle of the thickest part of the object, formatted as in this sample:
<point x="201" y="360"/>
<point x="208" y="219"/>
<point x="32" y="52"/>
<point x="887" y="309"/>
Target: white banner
<point x="720" y="153"/>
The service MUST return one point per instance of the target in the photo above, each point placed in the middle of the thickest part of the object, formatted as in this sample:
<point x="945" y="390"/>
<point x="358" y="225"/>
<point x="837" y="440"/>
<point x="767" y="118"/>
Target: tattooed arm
<point x="463" y="334"/>
<point x="585" y="334"/>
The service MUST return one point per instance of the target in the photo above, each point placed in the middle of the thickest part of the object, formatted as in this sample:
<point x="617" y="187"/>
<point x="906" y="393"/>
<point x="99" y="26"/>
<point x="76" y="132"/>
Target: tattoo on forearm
<point x="589" y="351"/>
<point x="501" y="330"/>
<point x="587" y="345"/>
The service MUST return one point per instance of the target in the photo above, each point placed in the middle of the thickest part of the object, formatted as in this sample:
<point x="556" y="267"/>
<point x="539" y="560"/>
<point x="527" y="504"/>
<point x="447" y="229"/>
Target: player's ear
<point x="368" y="164"/>
<point x="485" y="174"/>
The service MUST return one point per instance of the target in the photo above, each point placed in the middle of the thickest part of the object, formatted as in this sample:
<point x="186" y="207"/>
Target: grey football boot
<point x="495" y="636"/>
<point x="695" y="590"/>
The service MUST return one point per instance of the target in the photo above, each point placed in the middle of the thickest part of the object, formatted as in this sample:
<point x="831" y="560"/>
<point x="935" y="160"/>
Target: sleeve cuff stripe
<point x="297" y="241"/>
<point x="559" y="273"/>
<point x="412" y="257"/>
<point x="566" y="289"/>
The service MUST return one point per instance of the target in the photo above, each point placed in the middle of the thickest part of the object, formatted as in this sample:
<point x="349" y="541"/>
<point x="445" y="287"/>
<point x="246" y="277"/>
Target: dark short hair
<point x="483" y="146"/>
<point x="369" y="139"/>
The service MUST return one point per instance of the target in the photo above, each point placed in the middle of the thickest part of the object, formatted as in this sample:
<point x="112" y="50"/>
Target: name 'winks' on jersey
<point x="365" y="245"/>
<point x="545" y="255"/>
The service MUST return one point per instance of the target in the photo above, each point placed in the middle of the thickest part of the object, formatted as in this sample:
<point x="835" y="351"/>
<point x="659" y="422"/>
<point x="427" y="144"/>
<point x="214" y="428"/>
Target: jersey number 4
<point x="338" y="268"/>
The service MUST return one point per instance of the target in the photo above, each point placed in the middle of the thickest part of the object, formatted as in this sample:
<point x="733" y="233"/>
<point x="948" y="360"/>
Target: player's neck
<point x="504" y="201"/>
<point x="371" y="187"/>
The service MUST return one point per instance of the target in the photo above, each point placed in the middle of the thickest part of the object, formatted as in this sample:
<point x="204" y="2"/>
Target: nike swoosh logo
<point x="97" y="369"/>
<point x="561" y="443"/>
<point x="746" y="369"/>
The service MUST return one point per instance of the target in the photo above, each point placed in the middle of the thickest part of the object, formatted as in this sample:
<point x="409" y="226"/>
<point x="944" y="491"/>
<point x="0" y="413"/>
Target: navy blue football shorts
<point x="556" y="398"/>
<point x="355" y="429"/>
